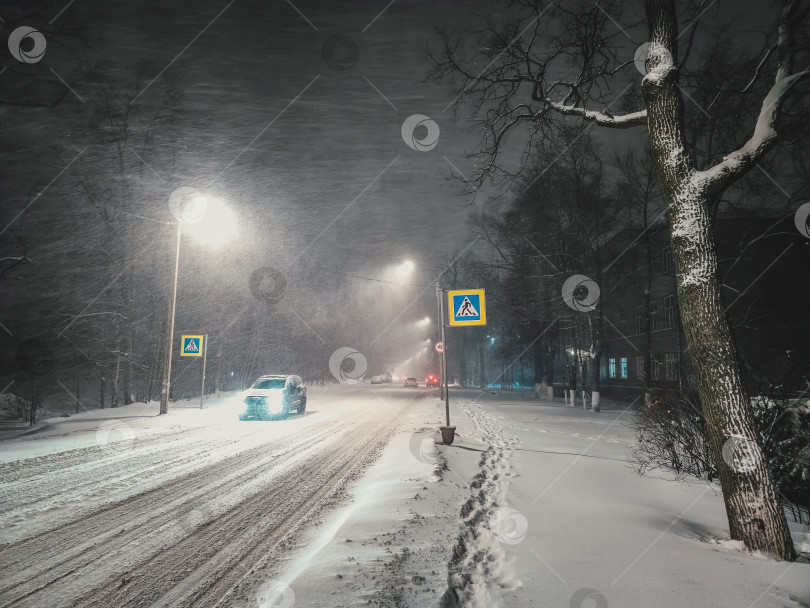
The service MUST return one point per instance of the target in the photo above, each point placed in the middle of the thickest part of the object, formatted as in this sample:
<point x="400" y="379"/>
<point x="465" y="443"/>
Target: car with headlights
<point x="431" y="381"/>
<point x="411" y="382"/>
<point x="274" y="397"/>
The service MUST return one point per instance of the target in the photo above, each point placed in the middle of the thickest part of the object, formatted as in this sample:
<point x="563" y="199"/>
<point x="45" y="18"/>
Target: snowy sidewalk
<point x="96" y="426"/>
<point x="563" y="512"/>
<point x="534" y="504"/>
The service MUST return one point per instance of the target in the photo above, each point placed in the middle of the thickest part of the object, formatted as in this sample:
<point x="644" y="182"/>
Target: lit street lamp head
<point x="187" y="205"/>
<point x="216" y="226"/>
<point x="192" y="208"/>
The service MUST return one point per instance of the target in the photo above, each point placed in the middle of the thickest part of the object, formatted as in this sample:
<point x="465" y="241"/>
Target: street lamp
<point x="406" y="267"/>
<point x="190" y="207"/>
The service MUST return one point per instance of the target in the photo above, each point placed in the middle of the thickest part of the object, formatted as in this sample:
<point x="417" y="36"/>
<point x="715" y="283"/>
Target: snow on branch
<point x="765" y="136"/>
<point x="601" y="118"/>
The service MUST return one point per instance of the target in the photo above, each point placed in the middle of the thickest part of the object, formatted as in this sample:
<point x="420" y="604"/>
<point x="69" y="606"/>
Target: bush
<point x="14" y="407"/>
<point x="671" y="433"/>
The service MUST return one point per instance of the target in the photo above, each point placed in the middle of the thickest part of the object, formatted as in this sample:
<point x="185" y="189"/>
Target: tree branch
<point x="765" y="136"/>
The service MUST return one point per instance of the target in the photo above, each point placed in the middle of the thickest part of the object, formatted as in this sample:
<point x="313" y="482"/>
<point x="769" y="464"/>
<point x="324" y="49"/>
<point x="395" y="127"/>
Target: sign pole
<point x="444" y="357"/>
<point x="205" y="359"/>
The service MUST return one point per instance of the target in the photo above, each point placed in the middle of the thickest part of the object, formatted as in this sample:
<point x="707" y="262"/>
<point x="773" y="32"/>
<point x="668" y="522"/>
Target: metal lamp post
<point x="166" y="386"/>
<point x="187" y="205"/>
<point x="447" y="431"/>
<point x="443" y="354"/>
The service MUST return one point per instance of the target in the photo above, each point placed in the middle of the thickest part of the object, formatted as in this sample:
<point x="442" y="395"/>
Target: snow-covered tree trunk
<point x="574" y="77"/>
<point x="752" y="506"/>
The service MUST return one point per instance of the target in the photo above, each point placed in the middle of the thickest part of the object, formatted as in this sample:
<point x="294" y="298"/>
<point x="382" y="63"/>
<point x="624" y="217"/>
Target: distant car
<point x="411" y="382"/>
<point x="387" y="378"/>
<point x="274" y="397"/>
<point x="431" y="381"/>
<point x="376" y="379"/>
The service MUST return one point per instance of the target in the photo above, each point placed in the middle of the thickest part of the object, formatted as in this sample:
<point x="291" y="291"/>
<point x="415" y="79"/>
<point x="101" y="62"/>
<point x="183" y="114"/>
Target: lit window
<point x="612" y="367"/>
<point x="623" y="367"/>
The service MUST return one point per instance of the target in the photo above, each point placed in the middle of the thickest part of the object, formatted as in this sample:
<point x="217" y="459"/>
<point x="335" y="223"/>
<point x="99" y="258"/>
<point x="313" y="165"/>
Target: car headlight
<point x="275" y="403"/>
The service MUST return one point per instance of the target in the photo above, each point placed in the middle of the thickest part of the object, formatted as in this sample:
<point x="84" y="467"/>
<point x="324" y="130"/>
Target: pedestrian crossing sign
<point x="191" y="346"/>
<point x="467" y="307"/>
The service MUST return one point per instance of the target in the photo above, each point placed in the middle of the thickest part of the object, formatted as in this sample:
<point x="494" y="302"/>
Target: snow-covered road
<point x="182" y="515"/>
<point x="535" y="503"/>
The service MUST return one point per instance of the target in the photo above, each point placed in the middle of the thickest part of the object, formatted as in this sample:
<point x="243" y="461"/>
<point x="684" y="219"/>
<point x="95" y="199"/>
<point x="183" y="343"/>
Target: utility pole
<point x="167" y="379"/>
<point x="205" y="358"/>
<point x="439" y="326"/>
<point x="439" y="298"/>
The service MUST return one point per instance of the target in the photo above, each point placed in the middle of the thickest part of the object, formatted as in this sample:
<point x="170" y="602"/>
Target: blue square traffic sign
<point x="467" y="307"/>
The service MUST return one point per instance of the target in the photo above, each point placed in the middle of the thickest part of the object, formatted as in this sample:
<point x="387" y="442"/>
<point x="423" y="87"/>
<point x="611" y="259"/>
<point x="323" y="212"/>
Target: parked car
<point x="431" y="381"/>
<point x="411" y="382"/>
<point x="274" y="397"/>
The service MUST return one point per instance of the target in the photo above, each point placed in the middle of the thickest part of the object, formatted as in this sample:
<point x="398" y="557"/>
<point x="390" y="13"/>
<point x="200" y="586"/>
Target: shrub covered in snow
<point x="14" y="407"/>
<point x="671" y="434"/>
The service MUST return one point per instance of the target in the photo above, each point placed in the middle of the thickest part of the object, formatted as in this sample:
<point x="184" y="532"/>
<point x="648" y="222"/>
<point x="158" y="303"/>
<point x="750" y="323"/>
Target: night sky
<point x="293" y="118"/>
<point x="289" y="112"/>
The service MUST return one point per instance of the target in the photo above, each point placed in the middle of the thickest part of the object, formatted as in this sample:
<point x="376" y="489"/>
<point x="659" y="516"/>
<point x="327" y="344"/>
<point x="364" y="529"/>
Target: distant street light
<point x="406" y="267"/>
<point x="210" y="221"/>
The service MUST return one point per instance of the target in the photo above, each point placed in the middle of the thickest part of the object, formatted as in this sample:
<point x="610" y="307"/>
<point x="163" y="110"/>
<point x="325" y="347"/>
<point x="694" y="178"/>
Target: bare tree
<point x="556" y="228"/>
<point x="542" y="60"/>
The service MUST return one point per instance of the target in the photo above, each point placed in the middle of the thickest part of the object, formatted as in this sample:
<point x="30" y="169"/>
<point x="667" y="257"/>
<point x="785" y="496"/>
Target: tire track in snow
<point x="147" y="520"/>
<point x="132" y="552"/>
<point x="28" y="501"/>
